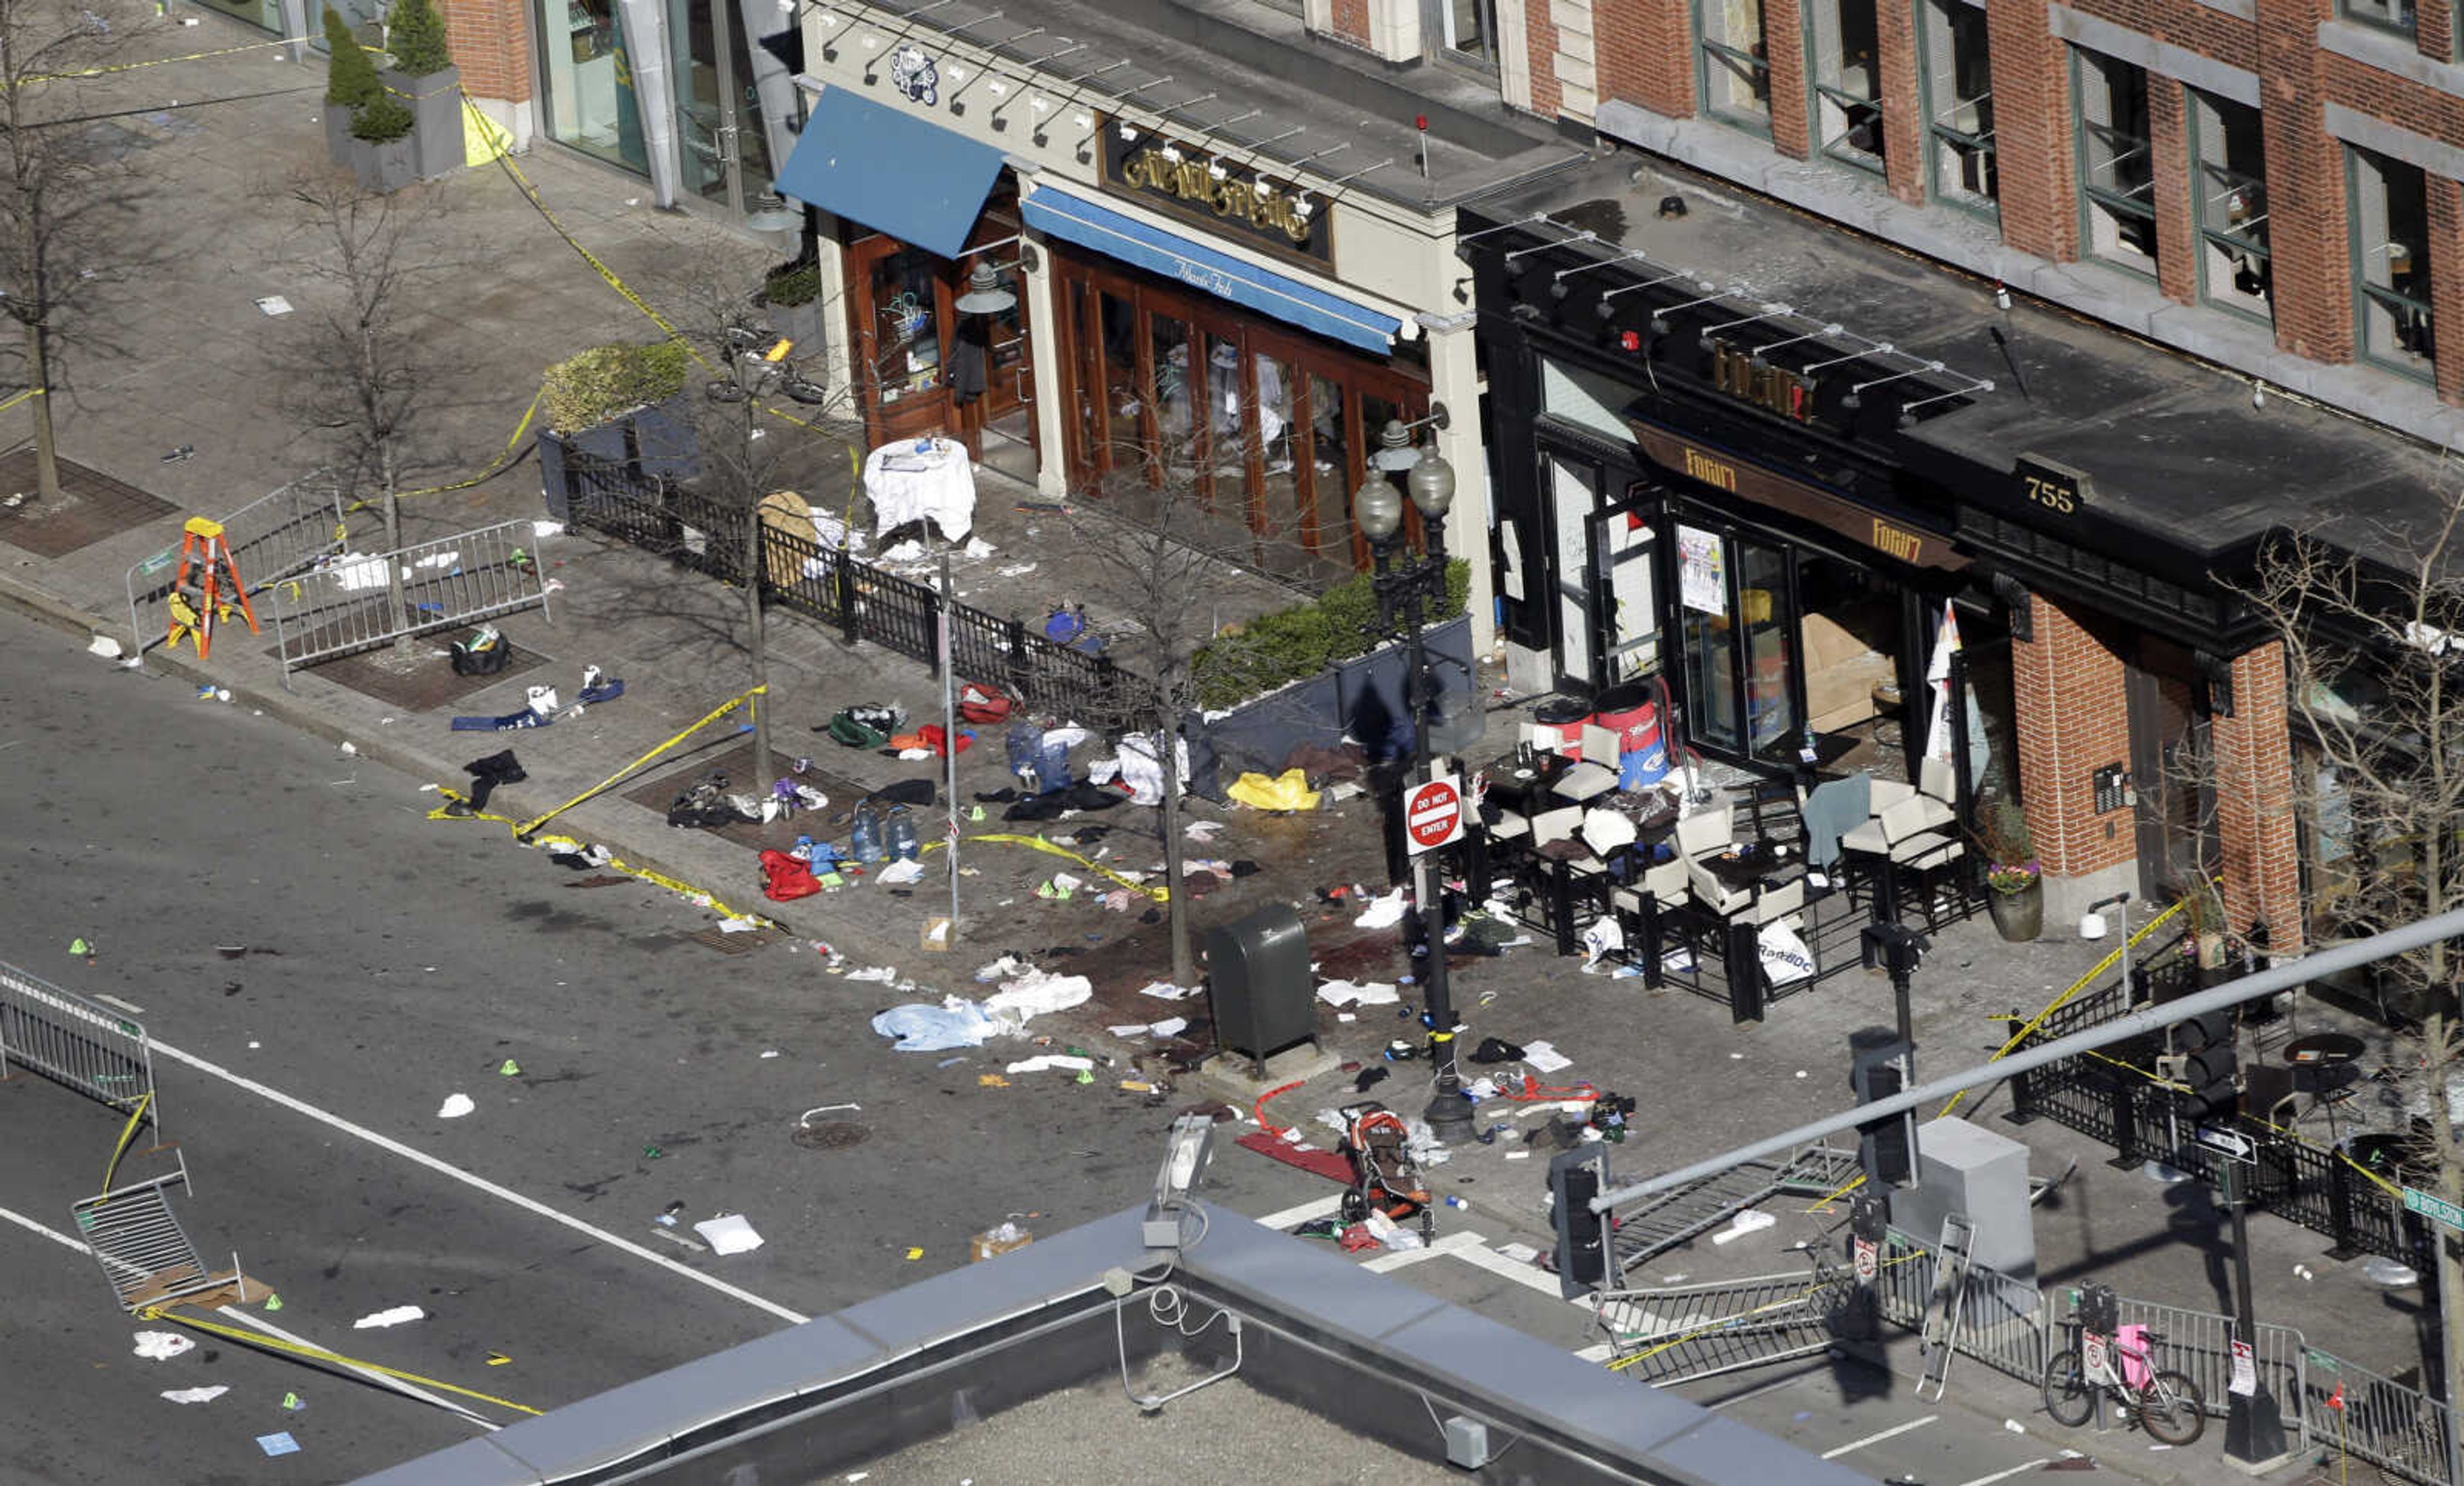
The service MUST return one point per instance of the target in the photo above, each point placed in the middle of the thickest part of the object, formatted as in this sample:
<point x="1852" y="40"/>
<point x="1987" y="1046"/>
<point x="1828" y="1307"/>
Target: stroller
<point x="1384" y="1176"/>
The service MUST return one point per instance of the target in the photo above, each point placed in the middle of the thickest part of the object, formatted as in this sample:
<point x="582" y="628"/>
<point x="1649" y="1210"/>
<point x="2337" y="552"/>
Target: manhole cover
<point x="831" y="1135"/>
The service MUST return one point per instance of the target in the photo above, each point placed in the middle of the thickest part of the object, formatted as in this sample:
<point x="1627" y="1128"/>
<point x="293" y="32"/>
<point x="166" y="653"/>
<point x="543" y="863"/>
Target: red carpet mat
<point x="1324" y="1162"/>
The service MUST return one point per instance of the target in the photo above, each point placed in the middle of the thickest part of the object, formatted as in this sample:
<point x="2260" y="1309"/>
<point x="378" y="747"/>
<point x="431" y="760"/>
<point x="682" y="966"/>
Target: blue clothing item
<point x="511" y="722"/>
<point x="919" y="1028"/>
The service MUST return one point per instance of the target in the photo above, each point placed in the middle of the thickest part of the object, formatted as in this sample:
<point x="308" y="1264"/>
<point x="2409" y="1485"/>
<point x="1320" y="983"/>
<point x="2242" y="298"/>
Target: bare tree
<point x="2374" y="657"/>
<point x="64" y="197"/>
<point x="369" y="383"/>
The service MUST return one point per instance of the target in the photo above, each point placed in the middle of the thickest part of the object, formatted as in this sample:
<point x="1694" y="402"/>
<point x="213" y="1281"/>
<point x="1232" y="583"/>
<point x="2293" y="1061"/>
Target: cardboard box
<point x="997" y="1240"/>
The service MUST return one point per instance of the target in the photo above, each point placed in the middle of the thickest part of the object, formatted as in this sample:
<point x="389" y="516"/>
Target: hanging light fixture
<point x="984" y="293"/>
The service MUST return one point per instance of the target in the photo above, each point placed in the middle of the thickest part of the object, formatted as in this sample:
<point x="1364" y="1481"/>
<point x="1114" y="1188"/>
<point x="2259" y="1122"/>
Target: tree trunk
<point x="47" y="458"/>
<point x="765" y="775"/>
<point x="1184" y="971"/>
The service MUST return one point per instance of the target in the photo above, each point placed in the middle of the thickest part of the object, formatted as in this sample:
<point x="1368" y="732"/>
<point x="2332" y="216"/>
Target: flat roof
<point x="2175" y="447"/>
<point x="1255" y="72"/>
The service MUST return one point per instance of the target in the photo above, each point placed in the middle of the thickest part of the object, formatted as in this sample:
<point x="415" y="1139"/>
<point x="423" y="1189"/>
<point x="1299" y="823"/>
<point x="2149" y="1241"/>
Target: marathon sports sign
<point x="1433" y="814"/>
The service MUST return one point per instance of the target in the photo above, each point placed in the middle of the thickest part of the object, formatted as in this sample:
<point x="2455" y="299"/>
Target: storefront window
<point x="1129" y="394"/>
<point x="2391" y="219"/>
<point x="1329" y="434"/>
<point x="1847" y="82"/>
<point x="1471" y="31"/>
<point x="2229" y="191"/>
<point x="590" y="81"/>
<point x="1584" y="399"/>
<point x="1959" y="104"/>
<point x="1702" y="599"/>
<point x="2117" y="169"/>
<point x="908" y="333"/>
<point x="1573" y="495"/>
<point x="1762" y="605"/>
<point x="1735" y="63"/>
<point x="1168" y="344"/>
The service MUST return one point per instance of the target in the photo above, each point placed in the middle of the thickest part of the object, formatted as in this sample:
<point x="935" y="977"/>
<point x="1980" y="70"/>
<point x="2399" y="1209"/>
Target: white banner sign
<point x="1702" y="571"/>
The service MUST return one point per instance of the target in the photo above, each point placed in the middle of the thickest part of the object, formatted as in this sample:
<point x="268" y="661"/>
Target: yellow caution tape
<point x="502" y="462"/>
<point x="743" y="699"/>
<point x="2059" y="1001"/>
<point x="21" y="397"/>
<point x="164" y="61"/>
<point x="1039" y="843"/>
<point x="613" y="863"/>
<point x="1836" y="1194"/>
<point x="135" y="1117"/>
<point x="278" y="1344"/>
<point x="1621" y="1363"/>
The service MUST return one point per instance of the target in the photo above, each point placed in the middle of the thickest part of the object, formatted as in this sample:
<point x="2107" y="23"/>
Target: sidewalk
<point x="208" y="369"/>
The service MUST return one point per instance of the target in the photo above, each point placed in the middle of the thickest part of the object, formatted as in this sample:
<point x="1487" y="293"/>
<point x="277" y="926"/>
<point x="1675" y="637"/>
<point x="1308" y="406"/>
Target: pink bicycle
<point x="2166" y="1404"/>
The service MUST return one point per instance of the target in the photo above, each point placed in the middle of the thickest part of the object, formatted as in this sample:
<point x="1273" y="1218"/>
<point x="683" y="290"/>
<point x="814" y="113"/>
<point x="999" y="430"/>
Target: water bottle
<point x="902" y="835"/>
<point x="864" y="838"/>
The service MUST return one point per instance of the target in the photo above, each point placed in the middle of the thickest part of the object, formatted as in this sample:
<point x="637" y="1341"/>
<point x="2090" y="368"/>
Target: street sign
<point x="2430" y="1205"/>
<point x="2232" y="1143"/>
<point x="1869" y="1256"/>
<point x="1433" y="815"/>
<point x="2245" y="1371"/>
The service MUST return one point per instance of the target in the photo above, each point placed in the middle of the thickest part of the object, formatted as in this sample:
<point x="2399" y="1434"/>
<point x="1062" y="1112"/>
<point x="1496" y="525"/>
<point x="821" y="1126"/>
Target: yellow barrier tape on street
<point x="21" y="397"/>
<point x="2063" y="1000"/>
<point x="127" y="1134"/>
<point x="163" y="61"/>
<point x="1039" y="843"/>
<point x="742" y="699"/>
<point x="1836" y="1194"/>
<point x="277" y="1345"/>
<point x="1621" y="1363"/>
<point x="613" y="863"/>
<point x="2338" y="1151"/>
<point x="2157" y="1079"/>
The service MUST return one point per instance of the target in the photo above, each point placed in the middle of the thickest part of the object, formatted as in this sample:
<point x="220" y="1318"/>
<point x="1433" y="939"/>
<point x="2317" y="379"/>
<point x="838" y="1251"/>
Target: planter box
<point x="435" y="101"/>
<point x="801" y="324"/>
<point x="1361" y="697"/>
<point x="658" y="437"/>
<point x="384" y="168"/>
<point x="338" y="134"/>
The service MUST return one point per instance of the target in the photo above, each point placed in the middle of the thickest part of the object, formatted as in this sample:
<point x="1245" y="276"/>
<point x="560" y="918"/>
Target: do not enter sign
<point x="1433" y="815"/>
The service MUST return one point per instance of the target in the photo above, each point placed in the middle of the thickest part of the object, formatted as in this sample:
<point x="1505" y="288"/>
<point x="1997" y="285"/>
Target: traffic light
<point x="1884" y="1148"/>
<point x="2210" y="1065"/>
<point x="1575" y="1178"/>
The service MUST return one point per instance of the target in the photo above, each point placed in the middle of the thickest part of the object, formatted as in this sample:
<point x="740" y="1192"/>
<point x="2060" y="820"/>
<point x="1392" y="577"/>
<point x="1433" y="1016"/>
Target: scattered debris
<point x="1744" y="1223"/>
<point x="392" y="1318"/>
<point x="729" y="1233"/>
<point x="162" y="1345"/>
<point x="455" y="1107"/>
<point x="278" y="1444"/>
<point x="196" y="1395"/>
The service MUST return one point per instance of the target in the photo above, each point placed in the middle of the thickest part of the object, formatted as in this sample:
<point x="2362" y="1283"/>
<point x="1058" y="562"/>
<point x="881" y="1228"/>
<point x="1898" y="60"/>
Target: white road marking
<point x="472" y="1179"/>
<point x="1498" y="1264"/>
<point x="79" y="1246"/>
<point x="1876" y="1439"/>
<point x="1988" y="1480"/>
<point x="1448" y="1243"/>
<point x="1316" y="1207"/>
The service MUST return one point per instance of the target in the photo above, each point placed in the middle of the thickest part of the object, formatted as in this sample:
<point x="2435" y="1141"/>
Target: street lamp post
<point x="1407" y="587"/>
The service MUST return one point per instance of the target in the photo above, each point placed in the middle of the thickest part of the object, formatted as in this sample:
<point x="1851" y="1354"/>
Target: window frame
<point x="2092" y="197"/>
<point x="1822" y="95"/>
<point x="2204" y="177"/>
<point x="1710" y="54"/>
<point x="1941" y="139"/>
<point x="2408" y="25"/>
<point x="2395" y="302"/>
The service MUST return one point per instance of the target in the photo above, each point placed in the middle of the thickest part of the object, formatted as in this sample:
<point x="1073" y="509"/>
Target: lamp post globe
<point x="1378" y="507"/>
<point x="1433" y="483"/>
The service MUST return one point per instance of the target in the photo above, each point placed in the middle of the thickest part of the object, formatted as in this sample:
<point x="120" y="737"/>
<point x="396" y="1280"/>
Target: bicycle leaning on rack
<point x="750" y="348"/>
<point x="2166" y="1404"/>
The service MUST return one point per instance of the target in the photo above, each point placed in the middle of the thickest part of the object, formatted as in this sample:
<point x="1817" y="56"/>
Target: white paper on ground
<point x="1166" y="990"/>
<point x="1744" y="1223"/>
<point x="161" y="1344"/>
<point x="738" y="925"/>
<point x="885" y="973"/>
<point x="1545" y="1059"/>
<point x="392" y="1318"/>
<point x="196" y="1395"/>
<point x="1383" y="912"/>
<point x="1170" y="1026"/>
<point x="905" y="870"/>
<point x="455" y="1107"/>
<point x="728" y="1234"/>
<point x="1519" y="1253"/>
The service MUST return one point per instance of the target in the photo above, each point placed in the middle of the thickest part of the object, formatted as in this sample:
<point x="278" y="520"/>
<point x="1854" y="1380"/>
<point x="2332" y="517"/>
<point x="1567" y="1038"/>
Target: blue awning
<point x="891" y="171"/>
<point x="1089" y="226"/>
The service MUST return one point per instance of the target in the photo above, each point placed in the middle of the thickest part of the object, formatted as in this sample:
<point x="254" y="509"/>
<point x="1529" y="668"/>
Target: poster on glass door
<point x="1701" y="582"/>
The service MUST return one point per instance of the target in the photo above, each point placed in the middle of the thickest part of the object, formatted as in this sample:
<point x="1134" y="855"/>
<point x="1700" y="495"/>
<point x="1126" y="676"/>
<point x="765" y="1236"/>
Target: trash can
<point x="1629" y="712"/>
<point x="1258" y="982"/>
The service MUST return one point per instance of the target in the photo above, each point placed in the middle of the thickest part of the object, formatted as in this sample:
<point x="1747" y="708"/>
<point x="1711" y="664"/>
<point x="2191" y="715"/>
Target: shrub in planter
<point x="588" y="389"/>
<point x="424" y="76"/>
<point x="350" y="81"/>
<point x="380" y="148"/>
<point x="2014" y="877"/>
<point x="1276" y="649"/>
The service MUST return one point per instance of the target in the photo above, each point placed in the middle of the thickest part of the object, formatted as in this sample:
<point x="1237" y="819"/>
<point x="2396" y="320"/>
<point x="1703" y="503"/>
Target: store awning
<point x="1268" y="292"/>
<point x="891" y="171"/>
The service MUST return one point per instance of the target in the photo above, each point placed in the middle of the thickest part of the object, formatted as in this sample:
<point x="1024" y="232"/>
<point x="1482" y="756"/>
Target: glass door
<point x="1625" y="609"/>
<point x="1574" y="497"/>
<point x="902" y="313"/>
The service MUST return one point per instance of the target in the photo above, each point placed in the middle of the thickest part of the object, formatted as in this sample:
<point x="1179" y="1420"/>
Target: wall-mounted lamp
<point x="1606" y="308"/>
<point x="1768" y="312"/>
<point x="1908" y="411"/>
<point x="1660" y="316"/>
<point x="1557" y="286"/>
<point x="1586" y="235"/>
<point x="1885" y="348"/>
<point x="1856" y="398"/>
<point x="984" y="293"/>
<point x="1762" y="353"/>
<point x="1395" y="451"/>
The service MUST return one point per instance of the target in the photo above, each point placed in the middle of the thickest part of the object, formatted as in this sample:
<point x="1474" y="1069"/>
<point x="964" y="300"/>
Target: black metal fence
<point x="864" y="601"/>
<point x="2117" y="1099"/>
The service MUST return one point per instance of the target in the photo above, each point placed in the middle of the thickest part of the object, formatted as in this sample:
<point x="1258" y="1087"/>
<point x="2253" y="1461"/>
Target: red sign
<point x="1869" y="1255"/>
<point x="1433" y="815"/>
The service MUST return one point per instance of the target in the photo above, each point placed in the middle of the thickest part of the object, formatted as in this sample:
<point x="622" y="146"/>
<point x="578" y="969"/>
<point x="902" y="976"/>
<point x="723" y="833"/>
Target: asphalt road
<point x="394" y="961"/>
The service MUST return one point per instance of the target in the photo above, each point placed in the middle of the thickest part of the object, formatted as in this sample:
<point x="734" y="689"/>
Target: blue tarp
<point x="1082" y="222"/>
<point x="891" y="171"/>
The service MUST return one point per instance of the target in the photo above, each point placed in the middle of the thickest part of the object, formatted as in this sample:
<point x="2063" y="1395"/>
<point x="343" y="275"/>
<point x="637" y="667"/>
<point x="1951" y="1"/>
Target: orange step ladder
<point x="208" y="587"/>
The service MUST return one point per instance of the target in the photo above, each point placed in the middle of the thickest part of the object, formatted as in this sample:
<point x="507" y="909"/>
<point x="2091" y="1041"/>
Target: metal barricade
<point x="2401" y="1429"/>
<point x="147" y="1257"/>
<point x="80" y="1044"/>
<point x="342" y="606"/>
<point x="2002" y="1320"/>
<point x="1699" y="1331"/>
<point x="280" y="532"/>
